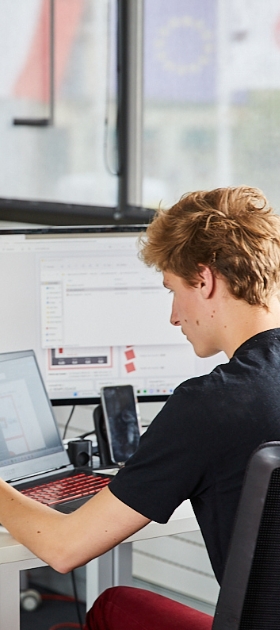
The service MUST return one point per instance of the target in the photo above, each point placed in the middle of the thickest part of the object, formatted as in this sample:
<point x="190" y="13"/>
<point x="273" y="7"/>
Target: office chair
<point x="249" y="598"/>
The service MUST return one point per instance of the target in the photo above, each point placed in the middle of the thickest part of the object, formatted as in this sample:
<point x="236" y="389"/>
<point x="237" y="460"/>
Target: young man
<point x="219" y="253"/>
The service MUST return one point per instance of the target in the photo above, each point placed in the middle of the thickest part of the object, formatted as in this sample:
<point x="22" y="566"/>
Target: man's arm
<point x="65" y="541"/>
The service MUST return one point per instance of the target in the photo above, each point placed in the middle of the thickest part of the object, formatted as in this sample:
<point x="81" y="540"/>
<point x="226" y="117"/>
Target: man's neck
<point x="242" y="321"/>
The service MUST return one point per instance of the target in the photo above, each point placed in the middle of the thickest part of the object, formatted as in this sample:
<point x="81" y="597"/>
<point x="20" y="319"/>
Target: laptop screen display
<point x="28" y="430"/>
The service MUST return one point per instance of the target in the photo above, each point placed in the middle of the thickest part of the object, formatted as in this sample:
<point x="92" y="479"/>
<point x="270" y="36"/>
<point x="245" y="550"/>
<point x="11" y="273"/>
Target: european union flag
<point x="180" y="55"/>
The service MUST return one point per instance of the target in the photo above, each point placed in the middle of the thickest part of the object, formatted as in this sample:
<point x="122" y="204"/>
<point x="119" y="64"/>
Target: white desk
<point x="111" y="569"/>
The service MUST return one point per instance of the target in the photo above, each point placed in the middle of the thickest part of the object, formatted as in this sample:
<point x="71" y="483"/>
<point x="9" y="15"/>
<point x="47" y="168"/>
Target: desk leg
<point x="9" y="596"/>
<point x="111" y="569"/>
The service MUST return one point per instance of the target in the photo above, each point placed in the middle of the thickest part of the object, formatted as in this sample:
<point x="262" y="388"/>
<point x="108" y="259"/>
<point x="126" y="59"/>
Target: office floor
<point x="55" y="612"/>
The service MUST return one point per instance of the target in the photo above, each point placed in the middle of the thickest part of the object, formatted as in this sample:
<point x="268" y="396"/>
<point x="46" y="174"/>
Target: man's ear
<point x="205" y="281"/>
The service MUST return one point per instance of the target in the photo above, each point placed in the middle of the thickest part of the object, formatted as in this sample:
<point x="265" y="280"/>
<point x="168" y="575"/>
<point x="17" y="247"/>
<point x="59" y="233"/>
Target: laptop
<point x="33" y="457"/>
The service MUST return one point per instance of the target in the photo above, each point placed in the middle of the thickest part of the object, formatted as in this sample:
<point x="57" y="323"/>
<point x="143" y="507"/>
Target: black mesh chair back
<point x="249" y="598"/>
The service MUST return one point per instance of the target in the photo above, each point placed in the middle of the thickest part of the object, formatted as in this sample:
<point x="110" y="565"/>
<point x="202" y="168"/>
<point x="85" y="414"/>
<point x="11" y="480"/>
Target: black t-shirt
<point x="199" y="444"/>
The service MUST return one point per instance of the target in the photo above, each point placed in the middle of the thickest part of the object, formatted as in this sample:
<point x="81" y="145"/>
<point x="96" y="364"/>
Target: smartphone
<point x="122" y="422"/>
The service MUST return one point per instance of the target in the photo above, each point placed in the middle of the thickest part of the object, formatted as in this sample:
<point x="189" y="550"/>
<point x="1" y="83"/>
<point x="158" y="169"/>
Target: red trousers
<point x="127" y="608"/>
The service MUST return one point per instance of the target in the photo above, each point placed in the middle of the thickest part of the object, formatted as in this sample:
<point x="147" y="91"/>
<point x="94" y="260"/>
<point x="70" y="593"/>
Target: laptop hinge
<point x="41" y="473"/>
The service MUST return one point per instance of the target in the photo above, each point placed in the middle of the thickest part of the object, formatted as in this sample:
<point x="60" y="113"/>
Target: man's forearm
<point x="65" y="541"/>
<point x="31" y="523"/>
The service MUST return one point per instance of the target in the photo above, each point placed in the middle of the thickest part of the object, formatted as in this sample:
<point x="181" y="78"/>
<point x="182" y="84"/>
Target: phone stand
<point x="101" y="436"/>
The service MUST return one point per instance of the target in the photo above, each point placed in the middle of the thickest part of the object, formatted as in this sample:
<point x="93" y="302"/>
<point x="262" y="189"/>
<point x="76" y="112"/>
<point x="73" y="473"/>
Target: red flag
<point x="34" y="79"/>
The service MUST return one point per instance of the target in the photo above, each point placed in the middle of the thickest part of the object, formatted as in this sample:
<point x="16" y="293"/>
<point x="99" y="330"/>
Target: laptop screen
<point x="29" y="437"/>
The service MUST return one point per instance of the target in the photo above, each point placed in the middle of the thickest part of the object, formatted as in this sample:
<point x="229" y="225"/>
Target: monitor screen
<point x="94" y="314"/>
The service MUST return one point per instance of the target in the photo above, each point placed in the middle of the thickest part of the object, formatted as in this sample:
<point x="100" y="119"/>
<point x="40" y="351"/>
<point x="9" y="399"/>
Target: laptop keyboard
<point x="67" y="489"/>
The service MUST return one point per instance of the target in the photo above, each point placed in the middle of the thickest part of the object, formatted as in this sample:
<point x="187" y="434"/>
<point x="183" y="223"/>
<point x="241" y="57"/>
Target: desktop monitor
<point x="94" y="314"/>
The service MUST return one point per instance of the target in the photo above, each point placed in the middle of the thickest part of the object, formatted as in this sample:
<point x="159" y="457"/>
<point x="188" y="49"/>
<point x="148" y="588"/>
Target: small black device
<point x="80" y="453"/>
<point x="122" y="421"/>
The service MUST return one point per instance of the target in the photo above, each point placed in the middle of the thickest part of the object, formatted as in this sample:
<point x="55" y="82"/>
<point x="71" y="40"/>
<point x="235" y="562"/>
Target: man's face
<point x="191" y="311"/>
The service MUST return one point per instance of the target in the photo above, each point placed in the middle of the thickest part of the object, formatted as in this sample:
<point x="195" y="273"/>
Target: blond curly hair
<point x="234" y="231"/>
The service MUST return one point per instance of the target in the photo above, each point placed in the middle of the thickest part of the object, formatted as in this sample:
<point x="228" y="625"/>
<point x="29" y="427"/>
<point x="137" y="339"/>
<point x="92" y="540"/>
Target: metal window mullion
<point x="130" y="102"/>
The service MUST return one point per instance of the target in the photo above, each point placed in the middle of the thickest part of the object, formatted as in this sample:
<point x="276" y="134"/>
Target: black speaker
<point x="80" y="453"/>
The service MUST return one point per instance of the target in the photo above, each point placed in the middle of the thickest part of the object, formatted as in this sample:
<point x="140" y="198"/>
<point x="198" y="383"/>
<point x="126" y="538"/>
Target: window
<point x="57" y="66"/>
<point x="211" y="97"/>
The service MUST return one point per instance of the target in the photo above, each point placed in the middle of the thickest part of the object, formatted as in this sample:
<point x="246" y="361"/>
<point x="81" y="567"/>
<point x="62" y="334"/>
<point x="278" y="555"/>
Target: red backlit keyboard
<point x="67" y="489"/>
